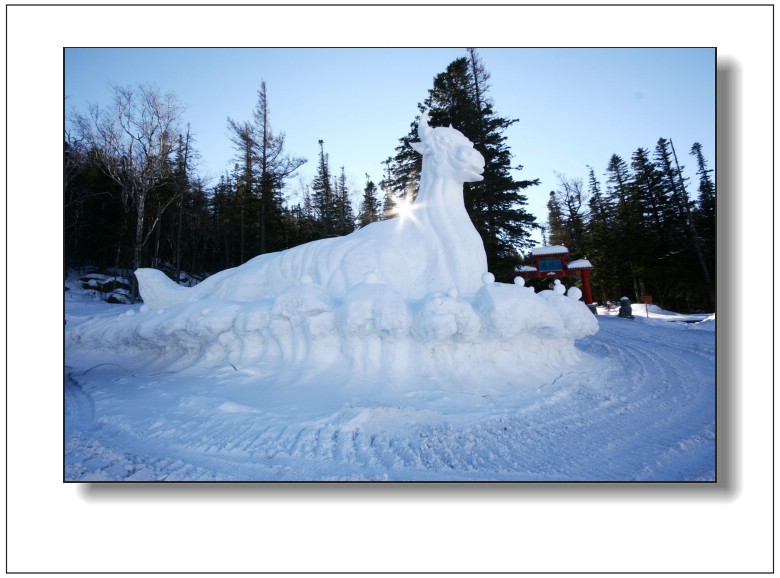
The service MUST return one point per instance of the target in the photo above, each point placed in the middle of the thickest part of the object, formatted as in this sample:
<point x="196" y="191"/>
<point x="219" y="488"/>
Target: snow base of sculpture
<point x="505" y="334"/>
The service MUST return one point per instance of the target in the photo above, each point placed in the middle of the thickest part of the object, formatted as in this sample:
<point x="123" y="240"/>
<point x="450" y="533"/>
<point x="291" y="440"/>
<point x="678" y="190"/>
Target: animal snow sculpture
<point x="434" y="248"/>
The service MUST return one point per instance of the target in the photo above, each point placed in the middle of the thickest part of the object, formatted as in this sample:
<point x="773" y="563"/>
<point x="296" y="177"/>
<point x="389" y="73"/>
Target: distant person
<point x="625" y="308"/>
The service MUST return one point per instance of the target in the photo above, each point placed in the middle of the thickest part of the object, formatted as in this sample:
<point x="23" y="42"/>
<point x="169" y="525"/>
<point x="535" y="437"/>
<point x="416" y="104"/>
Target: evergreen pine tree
<point x="706" y="186"/>
<point x="274" y="167"/>
<point x="97" y="223"/>
<point x="556" y="225"/>
<point x="626" y="227"/>
<point x="225" y="219"/>
<point x="618" y="179"/>
<point x="370" y="206"/>
<point x="495" y="205"/>
<point x="705" y="216"/>
<point x="242" y="135"/>
<point x="183" y="185"/>
<point x="345" y="216"/>
<point x="693" y="234"/>
<point x="651" y="232"/>
<point x="199" y="235"/>
<point x="566" y="217"/>
<point x="600" y="235"/>
<point x="266" y="166"/>
<point x="647" y="182"/>
<point x="678" y="206"/>
<point x="389" y="202"/>
<point x="323" y="197"/>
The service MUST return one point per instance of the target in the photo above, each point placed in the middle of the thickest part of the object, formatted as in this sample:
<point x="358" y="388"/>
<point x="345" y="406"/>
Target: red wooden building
<point x="552" y="262"/>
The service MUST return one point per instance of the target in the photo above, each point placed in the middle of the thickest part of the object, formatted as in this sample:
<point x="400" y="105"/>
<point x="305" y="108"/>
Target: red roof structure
<point x="550" y="262"/>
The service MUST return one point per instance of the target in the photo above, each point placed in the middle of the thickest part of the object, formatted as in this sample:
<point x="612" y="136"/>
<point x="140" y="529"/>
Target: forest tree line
<point x="644" y="230"/>
<point x="133" y="197"/>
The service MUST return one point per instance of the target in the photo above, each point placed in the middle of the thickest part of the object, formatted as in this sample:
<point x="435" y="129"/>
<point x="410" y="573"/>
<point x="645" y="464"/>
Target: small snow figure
<point x="625" y="308"/>
<point x="574" y="292"/>
<point x="558" y="287"/>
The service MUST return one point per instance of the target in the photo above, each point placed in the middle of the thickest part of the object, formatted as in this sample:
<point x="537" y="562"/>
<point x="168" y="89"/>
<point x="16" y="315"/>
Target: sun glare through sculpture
<point x="404" y="209"/>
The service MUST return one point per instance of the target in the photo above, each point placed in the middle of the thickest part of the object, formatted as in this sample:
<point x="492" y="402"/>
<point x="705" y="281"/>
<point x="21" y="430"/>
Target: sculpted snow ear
<point x="423" y="128"/>
<point x="424" y="131"/>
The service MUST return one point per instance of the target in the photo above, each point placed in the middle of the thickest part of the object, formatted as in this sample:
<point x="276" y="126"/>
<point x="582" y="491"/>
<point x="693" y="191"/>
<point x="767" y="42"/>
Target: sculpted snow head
<point x="448" y="153"/>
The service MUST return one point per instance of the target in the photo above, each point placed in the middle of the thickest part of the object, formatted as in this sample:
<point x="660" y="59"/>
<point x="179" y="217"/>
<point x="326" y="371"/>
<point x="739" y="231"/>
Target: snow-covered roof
<point x="525" y="268"/>
<point x="580" y="264"/>
<point x="549" y="250"/>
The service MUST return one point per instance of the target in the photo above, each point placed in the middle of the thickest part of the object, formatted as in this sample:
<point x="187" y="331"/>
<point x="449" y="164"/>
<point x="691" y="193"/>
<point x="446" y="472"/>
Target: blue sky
<point x="575" y="107"/>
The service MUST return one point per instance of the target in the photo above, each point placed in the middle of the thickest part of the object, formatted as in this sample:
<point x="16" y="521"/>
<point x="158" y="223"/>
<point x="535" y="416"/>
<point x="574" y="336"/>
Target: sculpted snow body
<point x="403" y="303"/>
<point x="434" y="248"/>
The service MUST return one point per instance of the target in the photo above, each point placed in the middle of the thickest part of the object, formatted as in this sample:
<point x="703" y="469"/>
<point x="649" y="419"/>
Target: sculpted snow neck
<point x="435" y="248"/>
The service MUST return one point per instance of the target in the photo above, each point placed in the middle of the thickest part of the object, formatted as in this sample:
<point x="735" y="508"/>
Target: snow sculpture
<point x="397" y="301"/>
<point x="435" y="247"/>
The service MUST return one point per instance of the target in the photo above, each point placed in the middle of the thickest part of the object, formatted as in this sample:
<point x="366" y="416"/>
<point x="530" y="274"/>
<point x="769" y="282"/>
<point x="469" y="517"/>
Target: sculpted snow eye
<point x="463" y="153"/>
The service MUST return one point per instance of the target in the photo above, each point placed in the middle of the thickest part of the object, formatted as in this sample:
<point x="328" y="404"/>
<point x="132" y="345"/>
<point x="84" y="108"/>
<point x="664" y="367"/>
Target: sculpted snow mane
<point x="433" y="248"/>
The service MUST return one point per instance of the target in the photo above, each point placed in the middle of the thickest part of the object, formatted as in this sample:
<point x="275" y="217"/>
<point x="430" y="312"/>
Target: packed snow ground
<point x="638" y="405"/>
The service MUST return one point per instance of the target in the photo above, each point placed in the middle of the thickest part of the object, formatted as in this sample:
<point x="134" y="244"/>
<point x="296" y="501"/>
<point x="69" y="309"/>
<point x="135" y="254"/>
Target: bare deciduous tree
<point x="133" y="140"/>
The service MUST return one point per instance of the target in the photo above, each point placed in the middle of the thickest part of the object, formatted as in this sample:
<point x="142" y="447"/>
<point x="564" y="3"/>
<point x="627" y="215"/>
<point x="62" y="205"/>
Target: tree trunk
<point x="139" y="239"/>
<point x="182" y="179"/>
<point x="157" y="227"/>
<point x="241" y="239"/>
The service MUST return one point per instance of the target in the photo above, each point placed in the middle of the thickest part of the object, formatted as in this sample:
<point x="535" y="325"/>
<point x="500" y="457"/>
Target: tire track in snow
<point x="654" y="417"/>
<point x="79" y="407"/>
<point x="665" y="394"/>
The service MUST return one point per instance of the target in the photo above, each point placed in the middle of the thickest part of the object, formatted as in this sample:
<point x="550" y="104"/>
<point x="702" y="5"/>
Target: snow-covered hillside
<point x="639" y="405"/>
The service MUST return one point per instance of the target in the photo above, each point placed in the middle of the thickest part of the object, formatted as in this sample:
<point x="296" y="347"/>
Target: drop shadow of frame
<point x="728" y="366"/>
